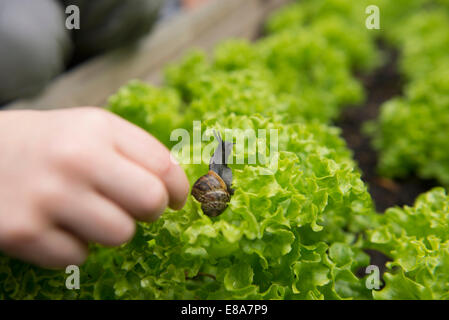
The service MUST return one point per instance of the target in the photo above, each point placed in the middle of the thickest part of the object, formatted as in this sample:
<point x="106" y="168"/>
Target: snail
<point x="213" y="190"/>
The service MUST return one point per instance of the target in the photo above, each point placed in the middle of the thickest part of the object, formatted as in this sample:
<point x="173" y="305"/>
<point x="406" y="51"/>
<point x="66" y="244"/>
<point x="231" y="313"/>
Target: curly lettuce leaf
<point x="417" y="240"/>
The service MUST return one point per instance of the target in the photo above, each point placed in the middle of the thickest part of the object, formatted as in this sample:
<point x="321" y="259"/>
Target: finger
<point x="148" y="152"/>
<point x="54" y="248"/>
<point x="136" y="190"/>
<point x="92" y="217"/>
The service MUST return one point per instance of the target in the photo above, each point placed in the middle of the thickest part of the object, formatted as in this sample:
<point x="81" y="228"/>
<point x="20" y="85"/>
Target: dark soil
<point x="382" y="85"/>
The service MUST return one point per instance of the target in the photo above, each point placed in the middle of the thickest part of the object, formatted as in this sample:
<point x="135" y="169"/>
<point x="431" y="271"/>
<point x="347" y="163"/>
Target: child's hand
<point x="73" y="176"/>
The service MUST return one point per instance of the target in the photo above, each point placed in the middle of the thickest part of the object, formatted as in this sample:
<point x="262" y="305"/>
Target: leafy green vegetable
<point x="307" y="63"/>
<point x="423" y="41"/>
<point x="339" y="22"/>
<point x="417" y="239"/>
<point x="411" y="132"/>
<point x="153" y="109"/>
<point x="309" y="84"/>
<point x="302" y="62"/>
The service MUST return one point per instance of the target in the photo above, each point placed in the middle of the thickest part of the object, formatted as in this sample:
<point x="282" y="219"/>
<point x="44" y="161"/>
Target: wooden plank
<point x="93" y="82"/>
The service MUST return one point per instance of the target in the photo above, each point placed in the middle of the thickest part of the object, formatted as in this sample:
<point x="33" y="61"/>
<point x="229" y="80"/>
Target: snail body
<point x="212" y="192"/>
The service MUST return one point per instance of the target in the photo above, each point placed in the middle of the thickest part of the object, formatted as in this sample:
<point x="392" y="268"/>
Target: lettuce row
<point x="341" y="23"/>
<point x="411" y="137"/>
<point x="319" y="66"/>
<point x="417" y="240"/>
<point x="410" y="133"/>
<point x="423" y="42"/>
<point x="307" y="66"/>
<point x="326" y="83"/>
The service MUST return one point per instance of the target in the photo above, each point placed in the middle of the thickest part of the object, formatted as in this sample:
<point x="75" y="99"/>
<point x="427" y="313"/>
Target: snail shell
<point x="212" y="192"/>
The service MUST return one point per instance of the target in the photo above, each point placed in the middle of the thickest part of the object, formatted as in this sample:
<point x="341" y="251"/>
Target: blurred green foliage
<point x="417" y="239"/>
<point x="411" y="133"/>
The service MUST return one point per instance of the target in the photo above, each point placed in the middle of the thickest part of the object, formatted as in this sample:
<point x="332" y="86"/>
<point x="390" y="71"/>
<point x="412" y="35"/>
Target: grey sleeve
<point x="34" y="45"/>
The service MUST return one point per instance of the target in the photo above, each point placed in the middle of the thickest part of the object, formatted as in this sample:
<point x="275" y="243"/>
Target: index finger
<point x="145" y="150"/>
